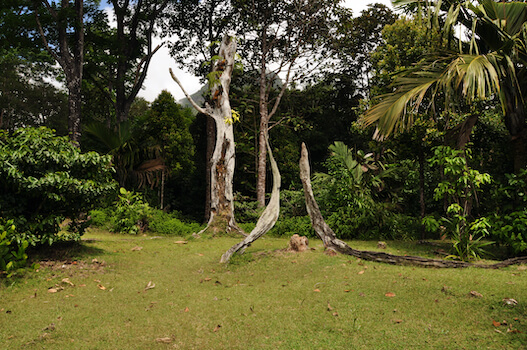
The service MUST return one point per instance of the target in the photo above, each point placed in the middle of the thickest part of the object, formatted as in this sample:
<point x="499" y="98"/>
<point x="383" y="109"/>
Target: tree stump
<point x="298" y="244"/>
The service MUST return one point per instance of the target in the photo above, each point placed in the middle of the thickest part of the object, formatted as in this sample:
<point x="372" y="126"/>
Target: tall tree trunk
<point x="262" y="157"/>
<point x="74" y="107"/>
<point x="422" y="203"/>
<point x="519" y="145"/>
<point x="515" y="123"/>
<point x="71" y="59"/>
<point x="261" y="171"/>
<point x="211" y="131"/>
<point x="222" y="162"/>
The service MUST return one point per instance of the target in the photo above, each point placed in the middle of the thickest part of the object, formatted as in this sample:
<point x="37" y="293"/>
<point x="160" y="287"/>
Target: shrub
<point x="166" y="223"/>
<point x="511" y="229"/>
<point x="45" y="179"/>
<point x="300" y="225"/>
<point x="246" y="210"/>
<point x="12" y="256"/>
<point x="131" y="214"/>
<point x="100" y="218"/>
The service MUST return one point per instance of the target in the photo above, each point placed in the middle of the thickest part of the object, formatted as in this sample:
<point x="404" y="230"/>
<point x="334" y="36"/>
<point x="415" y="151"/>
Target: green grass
<point x="265" y="299"/>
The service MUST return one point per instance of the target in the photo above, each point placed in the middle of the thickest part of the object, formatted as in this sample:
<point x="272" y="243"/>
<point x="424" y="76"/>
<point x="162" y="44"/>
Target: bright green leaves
<point x="459" y="189"/>
<point x="12" y="256"/>
<point x="44" y="179"/>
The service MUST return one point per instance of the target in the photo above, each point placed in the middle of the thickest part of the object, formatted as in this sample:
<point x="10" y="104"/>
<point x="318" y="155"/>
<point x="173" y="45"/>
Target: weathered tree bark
<point x="422" y="203"/>
<point x="211" y="132"/>
<point x="268" y="217"/>
<point x="222" y="161"/>
<point x="330" y="240"/>
<point x="71" y="59"/>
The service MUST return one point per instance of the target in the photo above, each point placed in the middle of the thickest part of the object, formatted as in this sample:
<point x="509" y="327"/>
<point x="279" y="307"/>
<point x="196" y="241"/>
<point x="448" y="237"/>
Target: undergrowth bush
<point x="12" y="255"/>
<point x="100" y="218"/>
<point x="45" y="179"/>
<point x="167" y="223"/>
<point x="300" y="225"/>
<point x="511" y="230"/>
<point x="131" y="214"/>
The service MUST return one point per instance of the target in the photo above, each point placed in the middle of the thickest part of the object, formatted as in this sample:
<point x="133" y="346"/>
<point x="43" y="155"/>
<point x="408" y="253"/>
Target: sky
<point x="158" y="78"/>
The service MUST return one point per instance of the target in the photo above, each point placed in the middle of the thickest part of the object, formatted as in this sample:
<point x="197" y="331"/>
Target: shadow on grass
<point x="69" y="250"/>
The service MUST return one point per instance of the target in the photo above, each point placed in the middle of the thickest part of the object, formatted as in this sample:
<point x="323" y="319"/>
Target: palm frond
<point x="395" y="111"/>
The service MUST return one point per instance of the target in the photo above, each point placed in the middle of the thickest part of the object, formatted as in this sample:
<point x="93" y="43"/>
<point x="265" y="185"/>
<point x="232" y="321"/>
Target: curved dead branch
<point x="326" y="234"/>
<point x="268" y="217"/>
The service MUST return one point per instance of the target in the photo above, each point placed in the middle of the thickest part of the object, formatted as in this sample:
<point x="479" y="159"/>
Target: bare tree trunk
<point x="162" y="190"/>
<point x="74" y="107"/>
<point x="71" y="59"/>
<point x="326" y="234"/>
<point x="222" y="162"/>
<point x="210" y="130"/>
<point x="269" y="216"/>
<point x="422" y="202"/>
<point x="261" y="168"/>
<point x="262" y="158"/>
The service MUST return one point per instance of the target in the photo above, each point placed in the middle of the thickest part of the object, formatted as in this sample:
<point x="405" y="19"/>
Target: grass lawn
<point x="127" y="292"/>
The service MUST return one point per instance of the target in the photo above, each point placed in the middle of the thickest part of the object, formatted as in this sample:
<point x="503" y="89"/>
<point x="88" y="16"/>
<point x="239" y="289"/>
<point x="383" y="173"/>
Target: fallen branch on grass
<point x="326" y="234"/>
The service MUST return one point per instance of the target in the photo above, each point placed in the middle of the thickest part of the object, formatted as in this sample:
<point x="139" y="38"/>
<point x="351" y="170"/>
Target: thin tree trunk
<point x="261" y="169"/>
<point x="422" y="202"/>
<point x="74" y="109"/>
<point x="262" y="159"/>
<point x="71" y="59"/>
<point x="330" y="240"/>
<point x="210" y="130"/>
<point x="162" y="194"/>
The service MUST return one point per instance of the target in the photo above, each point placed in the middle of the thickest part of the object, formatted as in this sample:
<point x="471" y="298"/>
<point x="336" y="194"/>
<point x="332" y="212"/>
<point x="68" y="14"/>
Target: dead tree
<point x="221" y="217"/>
<point x="268" y="217"/>
<point x="330" y="240"/>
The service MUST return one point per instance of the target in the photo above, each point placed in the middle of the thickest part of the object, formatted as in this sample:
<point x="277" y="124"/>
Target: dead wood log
<point x="268" y="217"/>
<point x="330" y="240"/>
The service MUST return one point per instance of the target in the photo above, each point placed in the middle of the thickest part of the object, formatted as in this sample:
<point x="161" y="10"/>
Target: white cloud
<point x="158" y="77"/>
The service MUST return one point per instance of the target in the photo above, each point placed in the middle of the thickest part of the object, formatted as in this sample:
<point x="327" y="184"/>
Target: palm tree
<point x="491" y="65"/>
<point x="135" y="157"/>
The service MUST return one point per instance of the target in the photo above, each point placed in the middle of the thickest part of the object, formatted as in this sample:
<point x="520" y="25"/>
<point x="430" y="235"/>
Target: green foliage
<point x="288" y="226"/>
<point x="100" y="218"/>
<point x="168" y="124"/>
<point x="165" y="223"/>
<point x="459" y="188"/>
<point x="354" y="199"/>
<point x="45" y="179"/>
<point x="511" y="229"/>
<point x="466" y="236"/>
<point x="461" y="183"/>
<point x="246" y="210"/>
<point x="509" y="224"/>
<point x="12" y="256"/>
<point x="131" y="214"/>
